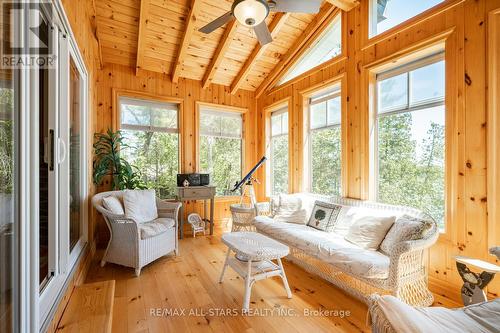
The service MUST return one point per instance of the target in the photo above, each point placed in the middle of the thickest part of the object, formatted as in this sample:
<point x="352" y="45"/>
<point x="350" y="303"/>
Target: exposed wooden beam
<point x="276" y="24"/>
<point x="224" y="43"/>
<point x="141" y="38"/>
<point x="345" y="5"/>
<point x="194" y="8"/>
<point x="95" y="27"/>
<point x="327" y="12"/>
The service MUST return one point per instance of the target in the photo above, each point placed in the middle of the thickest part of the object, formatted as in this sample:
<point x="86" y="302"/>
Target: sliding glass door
<point x="8" y="191"/>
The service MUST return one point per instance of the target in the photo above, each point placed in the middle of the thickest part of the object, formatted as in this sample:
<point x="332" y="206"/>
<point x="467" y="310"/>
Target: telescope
<point x="248" y="178"/>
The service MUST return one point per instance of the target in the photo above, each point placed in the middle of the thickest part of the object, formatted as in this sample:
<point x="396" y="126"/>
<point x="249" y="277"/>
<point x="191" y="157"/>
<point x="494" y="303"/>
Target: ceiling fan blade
<point x="297" y="6"/>
<point x="217" y="23"/>
<point x="263" y="34"/>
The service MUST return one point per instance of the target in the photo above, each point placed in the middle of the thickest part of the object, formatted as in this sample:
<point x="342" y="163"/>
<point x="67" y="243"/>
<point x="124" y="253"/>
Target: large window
<point x="411" y="136"/>
<point x="151" y="134"/>
<point x="221" y="147"/>
<point x="279" y="152"/>
<point x="326" y="47"/>
<point x="385" y="14"/>
<point x="325" y="143"/>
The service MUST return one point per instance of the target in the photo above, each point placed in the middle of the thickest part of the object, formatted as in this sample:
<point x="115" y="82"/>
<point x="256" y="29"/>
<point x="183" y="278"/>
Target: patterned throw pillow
<point x="405" y="228"/>
<point x="324" y="216"/>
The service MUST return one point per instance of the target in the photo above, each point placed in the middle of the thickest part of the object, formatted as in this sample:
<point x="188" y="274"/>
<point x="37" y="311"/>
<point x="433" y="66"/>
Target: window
<point x="411" y="136"/>
<point x="325" y="143"/>
<point x="151" y="134"/>
<point x="279" y="152"/>
<point x="328" y="46"/>
<point x="221" y="147"/>
<point x="385" y="14"/>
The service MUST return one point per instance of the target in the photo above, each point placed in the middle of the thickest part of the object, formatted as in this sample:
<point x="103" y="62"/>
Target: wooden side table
<point x="197" y="193"/>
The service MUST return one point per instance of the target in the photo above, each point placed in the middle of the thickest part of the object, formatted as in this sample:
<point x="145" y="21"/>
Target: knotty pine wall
<point x="461" y="25"/>
<point x="118" y="77"/>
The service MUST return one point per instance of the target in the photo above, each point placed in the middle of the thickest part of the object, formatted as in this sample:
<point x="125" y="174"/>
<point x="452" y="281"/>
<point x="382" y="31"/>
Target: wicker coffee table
<point x="253" y="259"/>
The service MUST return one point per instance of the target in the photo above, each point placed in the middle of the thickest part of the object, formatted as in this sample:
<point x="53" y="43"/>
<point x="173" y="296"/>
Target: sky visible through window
<point x="398" y="11"/>
<point x="328" y="46"/>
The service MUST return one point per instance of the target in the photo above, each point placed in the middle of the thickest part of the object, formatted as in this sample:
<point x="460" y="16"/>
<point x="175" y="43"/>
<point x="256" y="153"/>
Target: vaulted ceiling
<point x="162" y="36"/>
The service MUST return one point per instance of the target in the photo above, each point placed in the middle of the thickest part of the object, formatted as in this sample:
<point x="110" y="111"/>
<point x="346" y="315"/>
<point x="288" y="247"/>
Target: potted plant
<point x="107" y="161"/>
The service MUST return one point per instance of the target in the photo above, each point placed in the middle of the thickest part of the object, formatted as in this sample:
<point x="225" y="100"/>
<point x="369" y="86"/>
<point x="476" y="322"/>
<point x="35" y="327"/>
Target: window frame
<point x="407" y="67"/>
<point x="371" y="34"/>
<point x="227" y="109"/>
<point x="117" y="125"/>
<point x="335" y="91"/>
<point x="280" y="111"/>
<point x="278" y="83"/>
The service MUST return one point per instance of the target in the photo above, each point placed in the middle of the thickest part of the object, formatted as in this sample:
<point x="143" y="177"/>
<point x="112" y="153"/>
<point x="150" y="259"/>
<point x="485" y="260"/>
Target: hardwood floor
<point x="182" y="294"/>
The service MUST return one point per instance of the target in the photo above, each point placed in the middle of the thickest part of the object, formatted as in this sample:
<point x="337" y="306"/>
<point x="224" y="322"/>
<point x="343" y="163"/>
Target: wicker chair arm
<point x="168" y="209"/>
<point x="376" y="317"/>
<point x="418" y="244"/>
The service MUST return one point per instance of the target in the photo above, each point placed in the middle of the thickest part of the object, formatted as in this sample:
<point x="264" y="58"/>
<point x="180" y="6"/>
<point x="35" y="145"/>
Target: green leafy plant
<point x="107" y="161"/>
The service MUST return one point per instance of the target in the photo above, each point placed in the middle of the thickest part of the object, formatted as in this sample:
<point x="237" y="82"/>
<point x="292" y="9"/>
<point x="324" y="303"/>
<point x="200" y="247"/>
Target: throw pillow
<point x="288" y="202"/>
<point x="324" y="216"/>
<point x="113" y="204"/>
<point x="296" y="217"/>
<point x="140" y="205"/>
<point x="369" y="231"/>
<point x="405" y="228"/>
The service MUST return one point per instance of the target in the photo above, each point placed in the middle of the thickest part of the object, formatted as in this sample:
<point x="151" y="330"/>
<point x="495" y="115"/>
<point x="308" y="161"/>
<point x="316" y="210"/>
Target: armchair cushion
<point x="140" y="205"/>
<point x="113" y="204"/>
<point x="155" y="227"/>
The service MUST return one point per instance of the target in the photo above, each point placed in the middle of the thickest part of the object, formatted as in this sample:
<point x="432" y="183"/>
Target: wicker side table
<point x="259" y="251"/>
<point x="242" y="216"/>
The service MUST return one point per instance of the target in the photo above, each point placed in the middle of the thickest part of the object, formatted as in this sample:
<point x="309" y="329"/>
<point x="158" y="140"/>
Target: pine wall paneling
<point x="461" y="27"/>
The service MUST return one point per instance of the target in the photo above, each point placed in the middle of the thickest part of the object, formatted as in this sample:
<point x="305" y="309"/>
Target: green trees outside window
<point x="411" y="137"/>
<point x="279" y="152"/>
<point x="325" y="143"/>
<point x="150" y="132"/>
<point x="220" y="148"/>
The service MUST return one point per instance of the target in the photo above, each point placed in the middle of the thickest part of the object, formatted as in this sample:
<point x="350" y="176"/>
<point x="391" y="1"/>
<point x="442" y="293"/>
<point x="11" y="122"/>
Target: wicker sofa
<point x="133" y="244"/>
<point x="357" y="271"/>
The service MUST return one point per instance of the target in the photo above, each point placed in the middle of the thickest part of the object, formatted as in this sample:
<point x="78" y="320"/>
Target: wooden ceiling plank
<point x="327" y="12"/>
<point x="186" y="38"/>
<point x="141" y="39"/>
<point x="219" y="53"/>
<point x="277" y="23"/>
<point x="345" y="5"/>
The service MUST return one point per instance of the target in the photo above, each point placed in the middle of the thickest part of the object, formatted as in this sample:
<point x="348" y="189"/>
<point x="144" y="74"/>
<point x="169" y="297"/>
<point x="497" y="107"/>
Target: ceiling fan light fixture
<point x="250" y="12"/>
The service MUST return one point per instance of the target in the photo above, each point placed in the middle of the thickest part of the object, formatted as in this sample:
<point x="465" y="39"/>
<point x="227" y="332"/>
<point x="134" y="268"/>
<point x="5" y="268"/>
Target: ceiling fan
<point x="252" y="13"/>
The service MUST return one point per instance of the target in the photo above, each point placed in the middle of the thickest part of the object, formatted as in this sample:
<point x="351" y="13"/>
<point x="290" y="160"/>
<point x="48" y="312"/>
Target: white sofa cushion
<point x="155" y="227"/>
<point x="140" y="205"/>
<point x="328" y="247"/>
<point x="369" y="231"/>
<point x="405" y="228"/>
<point x="113" y="204"/>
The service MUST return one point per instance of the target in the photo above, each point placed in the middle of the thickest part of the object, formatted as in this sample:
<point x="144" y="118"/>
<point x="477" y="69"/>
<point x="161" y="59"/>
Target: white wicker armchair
<point x="126" y="247"/>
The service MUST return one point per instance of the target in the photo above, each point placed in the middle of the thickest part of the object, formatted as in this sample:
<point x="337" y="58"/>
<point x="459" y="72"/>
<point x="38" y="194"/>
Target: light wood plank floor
<point x="154" y="302"/>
